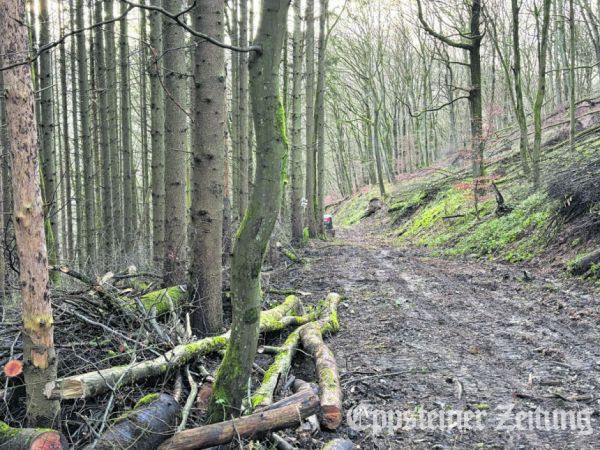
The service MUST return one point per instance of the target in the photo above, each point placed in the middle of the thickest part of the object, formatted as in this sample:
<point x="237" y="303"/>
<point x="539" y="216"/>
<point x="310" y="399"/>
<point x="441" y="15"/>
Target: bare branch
<point x="177" y="19"/>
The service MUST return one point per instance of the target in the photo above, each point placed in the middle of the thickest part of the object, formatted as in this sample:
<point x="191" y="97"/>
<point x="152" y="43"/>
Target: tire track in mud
<point x="445" y="334"/>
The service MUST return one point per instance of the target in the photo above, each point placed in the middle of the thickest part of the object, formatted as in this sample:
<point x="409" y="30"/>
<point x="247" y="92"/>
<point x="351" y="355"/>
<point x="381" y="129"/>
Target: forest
<point x="299" y="224"/>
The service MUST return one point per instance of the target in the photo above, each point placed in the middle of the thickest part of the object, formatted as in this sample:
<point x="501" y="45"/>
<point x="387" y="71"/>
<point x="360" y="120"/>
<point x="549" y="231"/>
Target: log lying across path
<point x="31" y="439"/>
<point x="285" y="413"/>
<point x="149" y="424"/>
<point x="280" y="368"/>
<point x="329" y="379"/>
<point x="94" y="383"/>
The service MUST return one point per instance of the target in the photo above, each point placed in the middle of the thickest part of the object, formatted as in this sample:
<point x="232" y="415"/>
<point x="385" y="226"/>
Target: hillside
<point x="553" y="227"/>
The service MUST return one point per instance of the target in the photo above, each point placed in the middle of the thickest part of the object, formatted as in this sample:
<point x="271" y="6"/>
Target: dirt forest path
<point x="422" y="335"/>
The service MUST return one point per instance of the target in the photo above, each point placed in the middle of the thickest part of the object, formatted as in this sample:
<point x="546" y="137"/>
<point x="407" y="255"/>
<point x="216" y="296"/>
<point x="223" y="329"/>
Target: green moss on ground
<point x="449" y="224"/>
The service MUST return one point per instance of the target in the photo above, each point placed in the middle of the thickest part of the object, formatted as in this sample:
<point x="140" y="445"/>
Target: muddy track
<point x="422" y="335"/>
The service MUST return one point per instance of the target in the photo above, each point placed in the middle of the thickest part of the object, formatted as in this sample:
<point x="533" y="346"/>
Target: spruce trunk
<point x="38" y="324"/>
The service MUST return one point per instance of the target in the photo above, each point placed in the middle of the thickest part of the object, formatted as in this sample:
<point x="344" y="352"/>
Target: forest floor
<point x="422" y="334"/>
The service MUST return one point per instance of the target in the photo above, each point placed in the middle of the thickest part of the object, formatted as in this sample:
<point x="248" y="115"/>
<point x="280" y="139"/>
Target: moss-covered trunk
<point x="259" y="220"/>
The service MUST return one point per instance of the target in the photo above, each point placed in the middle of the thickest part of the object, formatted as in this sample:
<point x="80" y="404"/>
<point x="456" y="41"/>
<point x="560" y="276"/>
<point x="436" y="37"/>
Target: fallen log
<point x="94" y="383"/>
<point x="150" y="423"/>
<point x="283" y="359"/>
<point x="286" y="413"/>
<point x="277" y="371"/>
<point x="31" y="439"/>
<point x="326" y="366"/>
<point x="581" y="266"/>
<point x="160" y="299"/>
<point x="339" y="444"/>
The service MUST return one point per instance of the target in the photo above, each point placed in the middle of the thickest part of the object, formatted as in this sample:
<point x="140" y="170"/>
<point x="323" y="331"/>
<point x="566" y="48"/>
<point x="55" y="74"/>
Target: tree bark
<point x="330" y="391"/>
<point x="150" y="423"/>
<point x="129" y="206"/>
<point x="48" y="166"/>
<point x="320" y="120"/>
<point x="310" y="120"/>
<point x="519" y="106"/>
<point x="286" y="413"/>
<point x="259" y="220"/>
<point x="38" y="324"/>
<point x="157" y="119"/>
<point x="68" y="251"/>
<point x="31" y="439"/>
<point x="208" y="139"/>
<point x="244" y="116"/>
<point x="541" y="93"/>
<point x="176" y="128"/>
<point x="116" y="165"/>
<point x="107" y="236"/>
<point x="297" y="174"/>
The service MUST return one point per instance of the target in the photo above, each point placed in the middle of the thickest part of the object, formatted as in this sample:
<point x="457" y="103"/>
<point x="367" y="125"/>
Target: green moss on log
<point x="160" y="299"/>
<point x="146" y="400"/>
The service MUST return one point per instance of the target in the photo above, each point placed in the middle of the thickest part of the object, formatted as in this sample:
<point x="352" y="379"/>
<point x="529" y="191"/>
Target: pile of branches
<point x="132" y="375"/>
<point x="578" y="190"/>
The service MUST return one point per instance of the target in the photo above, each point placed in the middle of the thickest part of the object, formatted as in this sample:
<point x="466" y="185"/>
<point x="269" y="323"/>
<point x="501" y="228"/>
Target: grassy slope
<point x="418" y="210"/>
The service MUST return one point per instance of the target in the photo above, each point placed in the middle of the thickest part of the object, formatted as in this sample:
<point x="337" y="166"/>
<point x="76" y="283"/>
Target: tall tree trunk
<point x="310" y="121"/>
<point x="572" y="95"/>
<point x="297" y="175"/>
<point x="244" y="116"/>
<point x="88" y="229"/>
<point x="377" y="152"/>
<point x="519" y="106"/>
<point x="129" y="207"/>
<point x="3" y="188"/>
<point x="259" y="220"/>
<point x="541" y="92"/>
<point x="320" y="120"/>
<point x="38" y="325"/>
<point x="146" y="215"/>
<point x="475" y="92"/>
<point x="79" y="253"/>
<point x="175" y="148"/>
<point x="66" y="148"/>
<point x="50" y="187"/>
<point x="157" y="134"/>
<point x="104" y="141"/>
<point x="235" y="115"/>
<point x="208" y="142"/>
<point x="113" y="123"/>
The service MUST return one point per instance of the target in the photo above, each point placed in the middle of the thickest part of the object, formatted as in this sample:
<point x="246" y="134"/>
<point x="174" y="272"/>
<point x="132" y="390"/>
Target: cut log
<point x="326" y="366"/>
<point x="281" y="365"/>
<point x="286" y="413"/>
<point x="149" y="424"/>
<point x="584" y="264"/>
<point x="90" y="384"/>
<point x="339" y="444"/>
<point x="30" y="439"/>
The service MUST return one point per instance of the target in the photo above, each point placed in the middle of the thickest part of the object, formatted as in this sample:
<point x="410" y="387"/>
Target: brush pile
<point x="132" y="375"/>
